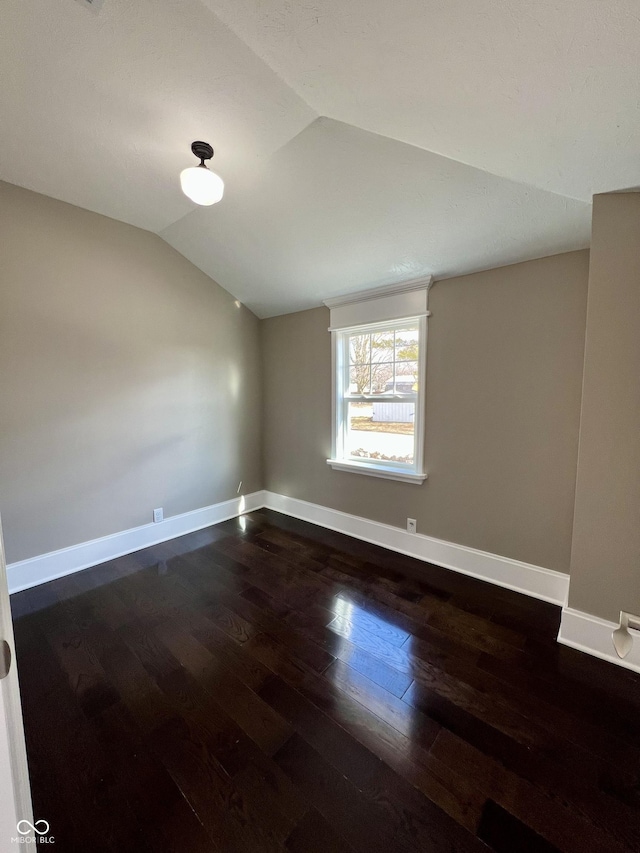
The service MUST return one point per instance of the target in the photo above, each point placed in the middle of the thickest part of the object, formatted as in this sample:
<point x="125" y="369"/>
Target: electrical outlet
<point x="411" y="525"/>
<point x="158" y="515"/>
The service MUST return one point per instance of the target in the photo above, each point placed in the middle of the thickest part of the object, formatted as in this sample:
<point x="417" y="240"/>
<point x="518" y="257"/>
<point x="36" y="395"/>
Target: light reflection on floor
<point x="374" y="665"/>
<point x="346" y="610"/>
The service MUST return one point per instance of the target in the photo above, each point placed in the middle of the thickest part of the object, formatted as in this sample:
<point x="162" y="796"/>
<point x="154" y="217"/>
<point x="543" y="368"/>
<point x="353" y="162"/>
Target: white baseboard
<point x="579" y="630"/>
<point x="591" y="634"/>
<point x="531" y="580"/>
<point x="56" y="564"/>
<point x="535" y="581"/>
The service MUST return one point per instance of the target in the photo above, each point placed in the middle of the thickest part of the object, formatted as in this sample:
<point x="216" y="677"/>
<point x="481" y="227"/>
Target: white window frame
<point x="389" y="301"/>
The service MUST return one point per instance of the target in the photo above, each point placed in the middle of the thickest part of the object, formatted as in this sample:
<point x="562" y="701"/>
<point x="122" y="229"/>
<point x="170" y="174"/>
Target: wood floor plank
<point x="277" y="658"/>
<point x="544" y="807"/>
<point x="248" y="668"/>
<point x="313" y="834"/>
<point x="187" y="752"/>
<point x="456" y="794"/>
<point x="148" y="787"/>
<point x="223" y="751"/>
<point x="92" y="793"/>
<point x="460" y="708"/>
<point x="587" y="701"/>
<point x="408" y="720"/>
<point x="372" y="820"/>
<point x="255" y="717"/>
<point x="502" y="831"/>
<point x="279" y="577"/>
<point x="356" y="762"/>
<point x="86" y="676"/>
<point x="267" y="617"/>
<point x="416" y="659"/>
<point x="275" y="686"/>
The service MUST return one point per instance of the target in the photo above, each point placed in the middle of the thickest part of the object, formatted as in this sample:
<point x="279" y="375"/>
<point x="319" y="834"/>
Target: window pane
<point x="406" y="377"/>
<point x="381" y="375"/>
<point x="382" y="344"/>
<point x="407" y="344"/>
<point x="381" y="430"/>
<point x="359" y="349"/>
<point x="360" y="379"/>
<point x="403" y="379"/>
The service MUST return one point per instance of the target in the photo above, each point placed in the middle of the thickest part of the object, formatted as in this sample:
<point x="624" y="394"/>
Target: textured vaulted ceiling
<point x="361" y="142"/>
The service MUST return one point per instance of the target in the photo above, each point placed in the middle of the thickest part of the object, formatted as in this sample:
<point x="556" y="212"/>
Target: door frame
<point x="10" y="697"/>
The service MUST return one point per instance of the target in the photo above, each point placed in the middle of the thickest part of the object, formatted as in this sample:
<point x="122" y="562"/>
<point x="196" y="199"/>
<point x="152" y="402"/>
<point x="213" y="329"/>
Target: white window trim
<point x="374" y="471"/>
<point x="415" y="474"/>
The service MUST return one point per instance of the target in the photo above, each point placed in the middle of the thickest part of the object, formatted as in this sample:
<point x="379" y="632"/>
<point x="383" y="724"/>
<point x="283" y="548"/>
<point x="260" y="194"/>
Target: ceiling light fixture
<point x="198" y="182"/>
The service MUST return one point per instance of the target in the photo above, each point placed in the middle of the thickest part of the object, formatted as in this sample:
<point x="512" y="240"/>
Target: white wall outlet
<point x="411" y="525"/>
<point x="158" y="515"/>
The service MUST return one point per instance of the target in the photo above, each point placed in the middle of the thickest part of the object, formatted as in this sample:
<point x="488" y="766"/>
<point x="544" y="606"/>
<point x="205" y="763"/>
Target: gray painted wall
<point x="605" y="559"/>
<point x="128" y="379"/>
<point x="504" y="374"/>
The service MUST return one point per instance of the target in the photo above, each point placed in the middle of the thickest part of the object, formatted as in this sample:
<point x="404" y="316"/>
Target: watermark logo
<point x="27" y="830"/>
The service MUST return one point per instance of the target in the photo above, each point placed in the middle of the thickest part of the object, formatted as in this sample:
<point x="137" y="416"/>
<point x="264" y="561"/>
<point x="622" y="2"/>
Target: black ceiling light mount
<point x="198" y="182"/>
<point x="202" y="150"/>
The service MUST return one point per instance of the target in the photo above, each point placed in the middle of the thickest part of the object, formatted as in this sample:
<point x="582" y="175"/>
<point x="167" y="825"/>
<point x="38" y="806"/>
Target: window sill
<point x="376" y="471"/>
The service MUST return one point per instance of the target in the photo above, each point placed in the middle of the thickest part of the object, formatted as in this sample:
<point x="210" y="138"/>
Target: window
<point x="379" y="354"/>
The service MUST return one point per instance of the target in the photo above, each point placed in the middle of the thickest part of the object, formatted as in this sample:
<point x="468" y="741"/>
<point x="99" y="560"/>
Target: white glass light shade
<point x="201" y="185"/>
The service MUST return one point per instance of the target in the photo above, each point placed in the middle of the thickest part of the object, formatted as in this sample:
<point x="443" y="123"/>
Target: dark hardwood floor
<point x="269" y="685"/>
